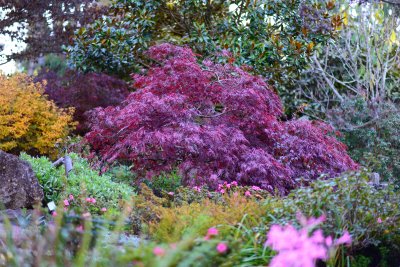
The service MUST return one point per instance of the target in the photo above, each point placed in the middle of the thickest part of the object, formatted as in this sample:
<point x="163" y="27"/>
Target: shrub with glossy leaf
<point x="83" y="92"/>
<point x="372" y="133"/>
<point x="273" y="37"/>
<point x="28" y="120"/>
<point x="82" y="183"/>
<point x="214" y="123"/>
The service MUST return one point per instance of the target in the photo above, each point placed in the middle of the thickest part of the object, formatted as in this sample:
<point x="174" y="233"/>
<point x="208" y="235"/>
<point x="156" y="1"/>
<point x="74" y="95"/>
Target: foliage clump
<point x="274" y="38"/>
<point x="371" y="131"/>
<point x="214" y="123"/>
<point x="82" y="183"/>
<point x="83" y="92"/>
<point x="28" y="120"/>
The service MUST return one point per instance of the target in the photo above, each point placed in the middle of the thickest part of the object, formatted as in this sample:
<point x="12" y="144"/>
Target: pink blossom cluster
<point x="302" y="248"/>
<point x="212" y="232"/>
<point x="91" y="200"/>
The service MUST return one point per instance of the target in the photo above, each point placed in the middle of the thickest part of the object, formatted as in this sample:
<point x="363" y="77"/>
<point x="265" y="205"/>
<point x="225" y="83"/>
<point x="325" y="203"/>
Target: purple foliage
<point x="83" y="92"/>
<point x="214" y="123"/>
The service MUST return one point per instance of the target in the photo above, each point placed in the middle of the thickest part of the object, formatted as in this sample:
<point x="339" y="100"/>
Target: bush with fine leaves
<point x="214" y="123"/>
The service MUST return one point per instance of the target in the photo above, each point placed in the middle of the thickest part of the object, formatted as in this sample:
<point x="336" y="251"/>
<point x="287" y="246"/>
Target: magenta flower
<point x="158" y="251"/>
<point x="66" y="202"/>
<point x="54" y="214"/>
<point x="247" y="194"/>
<point x="302" y="248"/>
<point x="379" y="220"/>
<point x="197" y="188"/>
<point x="222" y="191"/>
<point x="212" y="231"/>
<point x="222" y="248"/>
<point x="79" y="228"/>
<point x="103" y="209"/>
<point x="171" y="193"/>
<point x="88" y="199"/>
<point x="234" y="183"/>
<point x="256" y="188"/>
<point x="345" y="239"/>
<point x="86" y="215"/>
<point x="93" y="200"/>
<point x="71" y="197"/>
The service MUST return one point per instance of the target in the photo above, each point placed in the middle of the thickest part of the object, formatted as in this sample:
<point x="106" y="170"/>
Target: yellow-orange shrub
<point x="28" y="120"/>
<point x="194" y="219"/>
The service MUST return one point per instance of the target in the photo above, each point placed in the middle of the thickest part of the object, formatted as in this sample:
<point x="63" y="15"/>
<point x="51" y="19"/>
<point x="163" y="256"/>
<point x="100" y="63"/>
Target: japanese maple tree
<point x="214" y="123"/>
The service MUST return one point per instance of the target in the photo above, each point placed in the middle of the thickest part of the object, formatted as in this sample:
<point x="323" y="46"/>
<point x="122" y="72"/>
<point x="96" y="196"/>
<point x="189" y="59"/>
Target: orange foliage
<point x="28" y="120"/>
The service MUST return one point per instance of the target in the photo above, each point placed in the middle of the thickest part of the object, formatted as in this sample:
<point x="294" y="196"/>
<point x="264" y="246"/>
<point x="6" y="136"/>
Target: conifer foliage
<point x="214" y="123"/>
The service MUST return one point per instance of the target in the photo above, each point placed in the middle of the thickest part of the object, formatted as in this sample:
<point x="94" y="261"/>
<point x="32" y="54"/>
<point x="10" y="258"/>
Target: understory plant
<point x="213" y="123"/>
<point x="83" y="187"/>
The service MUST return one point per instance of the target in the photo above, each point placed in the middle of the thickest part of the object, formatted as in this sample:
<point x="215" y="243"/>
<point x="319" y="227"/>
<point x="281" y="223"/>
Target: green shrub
<point x="371" y="132"/>
<point x="82" y="182"/>
<point x="122" y="174"/>
<point x="166" y="182"/>
<point x="371" y="215"/>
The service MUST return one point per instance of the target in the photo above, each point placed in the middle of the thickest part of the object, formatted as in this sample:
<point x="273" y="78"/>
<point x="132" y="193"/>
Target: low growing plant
<point x="82" y="183"/>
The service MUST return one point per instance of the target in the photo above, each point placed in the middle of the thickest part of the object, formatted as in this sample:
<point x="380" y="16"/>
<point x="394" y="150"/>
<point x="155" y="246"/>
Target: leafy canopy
<point x="274" y="37"/>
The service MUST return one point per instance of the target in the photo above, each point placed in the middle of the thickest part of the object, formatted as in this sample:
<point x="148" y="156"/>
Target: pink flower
<point x="222" y="248"/>
<point x="222" y="191"/>
<point x="66" y="203"/>
<point x="328" y="241"/>
<point x="212" y="231"/>
<point x="71" y="197"/>
<point x="158" y="251"/>
<point x="234" y="183"/>
<point x="93" y="200"/>
<point x="379" y="220"/>
<point x="197" y="188"/>
<point x="171" y="193"/>
<point x="54" y="214"/>
<point x="256" y="188"/>
<point x="88" y="199"/>
<point x="86" y="215"/>
<point x="236" y="194"/>
<point x="228" y="186"/>
<point x="79" y="228"/>
<point x="344" y="239"/>
<point x="103" y="209"/>
<point x="302" y="247"/>
<point x="247" y="194"/>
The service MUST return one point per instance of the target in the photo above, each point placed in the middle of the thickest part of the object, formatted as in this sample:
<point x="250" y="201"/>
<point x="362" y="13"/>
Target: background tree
<point x="44" y="26"/>
<point x="353" y="84"/>
<point x="273" y="37"/>
<point x="82" y="91"/>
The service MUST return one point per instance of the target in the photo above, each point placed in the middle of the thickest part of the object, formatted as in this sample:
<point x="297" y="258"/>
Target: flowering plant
<point x="303" y="247"/>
